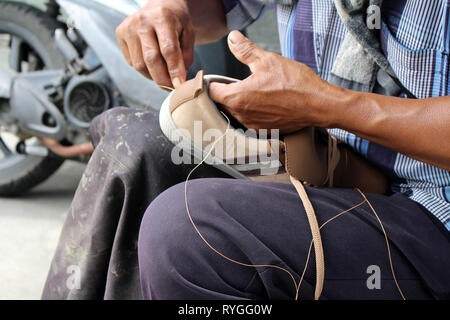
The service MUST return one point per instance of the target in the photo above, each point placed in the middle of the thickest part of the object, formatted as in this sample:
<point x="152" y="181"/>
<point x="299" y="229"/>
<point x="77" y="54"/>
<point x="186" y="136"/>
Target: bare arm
<point x="419" y="129"/>
<point x="287" y="95"/>
<point x="158" y="40"/>
<point x="209" y="20"/>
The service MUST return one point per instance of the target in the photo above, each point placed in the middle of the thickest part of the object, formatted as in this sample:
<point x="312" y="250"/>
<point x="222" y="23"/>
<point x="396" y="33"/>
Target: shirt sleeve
<point x="241" y="13"/>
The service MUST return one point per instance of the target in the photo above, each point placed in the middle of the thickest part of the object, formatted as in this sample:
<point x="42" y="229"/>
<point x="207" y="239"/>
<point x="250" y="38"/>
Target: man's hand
<point x="287" y="95"/>
<point x="158" y="41"/>
<point x="280" y="94"/>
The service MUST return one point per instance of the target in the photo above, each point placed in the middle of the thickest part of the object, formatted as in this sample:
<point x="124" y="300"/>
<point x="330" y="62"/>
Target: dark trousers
<point x="265" y="224"/>
<point x="131" y="166"/>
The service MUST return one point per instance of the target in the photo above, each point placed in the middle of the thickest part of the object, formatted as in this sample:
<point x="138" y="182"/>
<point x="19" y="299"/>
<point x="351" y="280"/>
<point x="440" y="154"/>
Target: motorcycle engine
<point x="87" y="96"/>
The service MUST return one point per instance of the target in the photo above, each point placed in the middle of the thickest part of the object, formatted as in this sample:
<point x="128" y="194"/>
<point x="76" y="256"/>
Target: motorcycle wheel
<point x="27" y="33"/>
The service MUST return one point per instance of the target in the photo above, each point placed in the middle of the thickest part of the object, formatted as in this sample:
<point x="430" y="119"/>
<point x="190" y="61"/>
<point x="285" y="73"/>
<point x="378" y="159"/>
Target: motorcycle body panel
<point x="33" y="89"/>
<point x="97" y="24"/>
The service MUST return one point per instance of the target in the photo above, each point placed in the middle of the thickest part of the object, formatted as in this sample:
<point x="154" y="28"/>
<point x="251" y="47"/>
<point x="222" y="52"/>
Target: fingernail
<point x="176" y="82"/>
<point x="235" y="36"/>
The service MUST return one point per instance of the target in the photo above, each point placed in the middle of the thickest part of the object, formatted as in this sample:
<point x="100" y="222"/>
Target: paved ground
<point x="30" y="225"/>
<point x="29" y="231"/>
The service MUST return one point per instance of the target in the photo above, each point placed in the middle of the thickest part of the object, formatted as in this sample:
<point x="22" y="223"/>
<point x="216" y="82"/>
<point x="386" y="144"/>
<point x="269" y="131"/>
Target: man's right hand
<point x="158" y="41"/>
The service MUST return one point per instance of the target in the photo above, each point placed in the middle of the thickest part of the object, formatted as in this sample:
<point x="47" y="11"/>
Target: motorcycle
<point x="60" y="68"/>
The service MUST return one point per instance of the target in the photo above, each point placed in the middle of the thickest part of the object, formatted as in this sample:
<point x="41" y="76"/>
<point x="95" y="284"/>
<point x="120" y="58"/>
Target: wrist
<point x="355" y="110"/>
<point x="334" y="106"/>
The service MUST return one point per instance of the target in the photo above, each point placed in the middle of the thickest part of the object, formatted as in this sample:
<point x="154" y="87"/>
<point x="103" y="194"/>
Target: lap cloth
<point x="129" y="168"/>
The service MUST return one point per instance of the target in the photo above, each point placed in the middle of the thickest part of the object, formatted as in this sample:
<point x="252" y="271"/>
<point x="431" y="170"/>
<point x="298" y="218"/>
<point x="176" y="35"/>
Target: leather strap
<point x="304" y="141"/>
<point x="317" y="239"/>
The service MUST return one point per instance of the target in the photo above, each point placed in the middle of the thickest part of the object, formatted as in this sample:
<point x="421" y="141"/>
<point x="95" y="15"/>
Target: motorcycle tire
<point x="20" y="173"/>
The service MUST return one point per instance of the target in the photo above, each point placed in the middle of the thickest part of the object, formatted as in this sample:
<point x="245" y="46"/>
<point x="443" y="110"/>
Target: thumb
<point x="226" y="93"/>
<point x="243" y="49"/>
<point x="217" y="92"/>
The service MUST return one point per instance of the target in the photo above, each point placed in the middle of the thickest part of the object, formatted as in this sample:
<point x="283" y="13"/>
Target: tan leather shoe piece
<point x="193" y="122"/>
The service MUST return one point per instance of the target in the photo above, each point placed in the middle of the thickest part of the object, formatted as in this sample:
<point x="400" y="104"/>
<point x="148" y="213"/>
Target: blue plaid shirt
<point x="415" y="37"/>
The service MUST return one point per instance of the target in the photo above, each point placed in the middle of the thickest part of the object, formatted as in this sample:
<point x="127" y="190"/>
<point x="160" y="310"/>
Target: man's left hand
<point x="280" y="94"/>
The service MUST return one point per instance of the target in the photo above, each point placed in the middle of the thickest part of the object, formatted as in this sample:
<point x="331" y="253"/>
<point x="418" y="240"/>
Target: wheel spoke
<point x="16" y="53"/>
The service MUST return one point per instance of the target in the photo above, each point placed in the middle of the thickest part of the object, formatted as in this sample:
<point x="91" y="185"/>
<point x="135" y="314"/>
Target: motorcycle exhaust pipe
<point x="67" y="151"/>
<point x="38" y="151"/>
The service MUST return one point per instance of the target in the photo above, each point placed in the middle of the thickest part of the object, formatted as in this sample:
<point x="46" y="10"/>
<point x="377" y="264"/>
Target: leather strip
<point x="317" y="239"/>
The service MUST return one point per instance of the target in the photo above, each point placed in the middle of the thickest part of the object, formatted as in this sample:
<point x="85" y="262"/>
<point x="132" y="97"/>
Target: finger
<point x="136" y="56"/>
<point x="120" y="36"/>
<point x="230" y="95"/>
<point x="152" y="57"/>
<point x="169" y="44"/>
<point x="217" y="92"/>
<point x="227" y="96"/>
<point x="125" y="51"/>
<point x="243" y="49"/>
<point x="187" y="45"/>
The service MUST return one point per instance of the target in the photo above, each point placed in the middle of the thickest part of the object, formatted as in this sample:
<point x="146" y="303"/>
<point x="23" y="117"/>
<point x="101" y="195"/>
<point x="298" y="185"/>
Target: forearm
<point x="287" y="95"/>
<point x="209" y="20"/>
<point x="419" y="129"/>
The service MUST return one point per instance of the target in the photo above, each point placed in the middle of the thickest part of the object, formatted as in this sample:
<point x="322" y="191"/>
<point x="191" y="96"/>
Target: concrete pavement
<point x="30" y="228"/>
<point x="29" y="231"/>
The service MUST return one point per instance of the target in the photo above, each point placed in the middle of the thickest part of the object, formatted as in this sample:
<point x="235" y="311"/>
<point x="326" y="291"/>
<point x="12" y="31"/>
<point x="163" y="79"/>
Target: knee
<point x="123" y="127"/>
<point x="163" y="237"/>
<point x="100" y="125"/>
<point x="131" y="136"/>
<point x="169" y="249"/>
